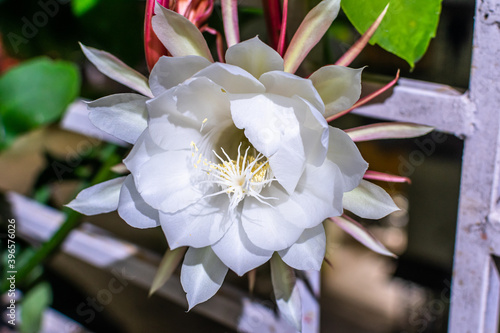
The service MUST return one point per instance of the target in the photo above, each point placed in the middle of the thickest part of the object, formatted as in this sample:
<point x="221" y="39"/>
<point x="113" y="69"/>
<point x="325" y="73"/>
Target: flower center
<point x="246" y="175"/>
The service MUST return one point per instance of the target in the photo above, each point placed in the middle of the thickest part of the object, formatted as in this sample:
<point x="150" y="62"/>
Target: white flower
<point x="234" y="160"/>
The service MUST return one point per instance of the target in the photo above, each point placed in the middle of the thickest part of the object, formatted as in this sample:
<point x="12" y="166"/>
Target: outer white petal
<point x="98" y="199"/>
<point x="255" y="57"/>
<point x="369" y="201"/>
<point x="164" y="181"/>
<point x="133" y="209"/>
<point x="339" y="87"/>
<point x="309" y="250"/>
<point x="343" y="152"/>
<point x="286" y="292"/>
<point x="114" y="68"/>
<point x="271" y="125"/>
<point x="237" y="252"/>
<point x="266" y="227"/>
<point x="171" y="71"/>
<point x="202" y="275"/>
<point x="141" y="152"/>
<point x="178" y="34"/>
<point x="232" y="78"/>
<point x="123" y="115"/>
<point x="288" y="85"/>
<point x="200" y="224"/>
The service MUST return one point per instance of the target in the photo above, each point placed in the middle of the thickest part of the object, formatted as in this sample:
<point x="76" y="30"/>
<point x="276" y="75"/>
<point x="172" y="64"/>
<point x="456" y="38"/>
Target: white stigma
<point x="247" y="175"/>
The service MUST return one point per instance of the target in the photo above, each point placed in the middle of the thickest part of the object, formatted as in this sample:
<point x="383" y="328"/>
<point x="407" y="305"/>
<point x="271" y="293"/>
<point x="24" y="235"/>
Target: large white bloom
<point x="233" y="160"/>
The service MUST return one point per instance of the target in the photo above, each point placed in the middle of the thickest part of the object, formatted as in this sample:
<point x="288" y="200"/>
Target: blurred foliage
<point x="35" y="93"/>
<point x="33" y="305"/>
<point x="406" y="29"/>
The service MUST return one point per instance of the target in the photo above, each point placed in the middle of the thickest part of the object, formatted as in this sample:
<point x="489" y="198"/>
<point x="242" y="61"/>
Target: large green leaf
<point x="407" y="28"/>
<point x="35" y="93"/>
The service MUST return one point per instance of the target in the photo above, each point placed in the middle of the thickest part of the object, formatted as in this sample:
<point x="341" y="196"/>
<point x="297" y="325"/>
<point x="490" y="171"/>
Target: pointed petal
<point x="343" y="152"/>
<point x="168" y="264"/>
<point x="123" y="115"/>
<point x="360" y="44"/>
<point x="309" y="33"/>
<point x="230" y="19"/>
<point x="255" y="57"/>
<point x="286" y="292"/>
<point x="387" y="131"/>
<point x="232" y="79"/>
<point x="114" y="68"/>
<point x="309" y="250"/>
<point x="200" y="224"/>
<point x="98" y="199"/>
<point x="385" y="177"/>
<point x="362" y="235"/>
<point x="202" y="275"/>
<point x="369" y="201"/>
<point x="178" y="34"/>
<point x="289" y="85"/>
<point x="133" y="209"/>
<point x="237" y="252"/>
<point x="338" y="86"/>
<point x="171" y="71"/>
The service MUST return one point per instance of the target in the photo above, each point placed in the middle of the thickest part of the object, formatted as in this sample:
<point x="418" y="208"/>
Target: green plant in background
<point x="33" y="94"/>
<point x="407" y="28"/>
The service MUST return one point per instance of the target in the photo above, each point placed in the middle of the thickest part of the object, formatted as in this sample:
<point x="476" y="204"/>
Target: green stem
<point x="71" y="222"/>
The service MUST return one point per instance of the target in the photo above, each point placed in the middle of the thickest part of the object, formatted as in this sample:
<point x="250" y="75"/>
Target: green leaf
<point x="407" y="28"/>
<point x="35" y="93"/>
<point x="80" y="7"/>
<point x="33" y="305"/>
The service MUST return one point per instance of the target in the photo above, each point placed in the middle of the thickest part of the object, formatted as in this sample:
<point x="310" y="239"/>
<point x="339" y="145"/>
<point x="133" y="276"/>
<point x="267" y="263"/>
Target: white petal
<point x="202" y="275"/>
<point x="164" y="181"/>
<point x="123" y="115"/>
<point x="266" y="227"/>
<point x="343" y="152"/>
<point x="114" y="68"/>
<point x="141" y="152"/>
<point x="318" y="195"/>
<point x="271" y="125"/>
<point x="314" y="132"/>
<point x="98" y="199"/>
<point x="232" y="78"/>
<point x="393" y="130"/>
<point x="167" y="267"/>
<point x="171" y="71"/>
<point x="338" y="86"/>
<point x="237" y="252"/>
<point x="288" y="85"/>
<point x="362" y="235"/>
<point x="369" y="201"/>
<point x="133" y="209"/>
<point x="200" y="224"/>
<point x="187" y="112"/>
<point x="178" y="34"/>
<point x="286" y="292"/>
<point x="255" y="57"/>
<point x="309" y="250"/>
